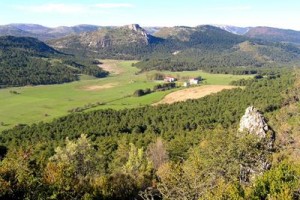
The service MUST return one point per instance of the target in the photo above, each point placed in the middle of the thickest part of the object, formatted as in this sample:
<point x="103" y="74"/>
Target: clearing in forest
<point x="193" y="93"/>
<point x="99" y="87"/>
<point x="111" y="66"/>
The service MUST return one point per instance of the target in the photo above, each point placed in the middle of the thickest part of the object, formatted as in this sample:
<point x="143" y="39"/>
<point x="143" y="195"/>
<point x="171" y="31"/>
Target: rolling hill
<point x="265" y="33"/>
<point x="28" y="61"/>
<point x="107" y="37"/>
<point x="274" y="34"/>
<point x="127" y="42"/>
<point x="25" y="44"/>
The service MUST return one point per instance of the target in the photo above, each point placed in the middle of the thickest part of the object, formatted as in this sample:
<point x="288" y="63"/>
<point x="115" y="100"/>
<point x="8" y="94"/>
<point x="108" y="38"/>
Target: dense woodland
<point x="187" y="150"/>
<point x="222" y="60"/>
<point x="26" y="61"/>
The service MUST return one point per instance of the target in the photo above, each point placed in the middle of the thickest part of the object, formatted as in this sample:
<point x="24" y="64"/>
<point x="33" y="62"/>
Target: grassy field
<point x="43" y="103"/>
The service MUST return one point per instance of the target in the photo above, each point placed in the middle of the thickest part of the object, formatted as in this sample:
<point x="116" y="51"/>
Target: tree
<point x="138" y="165"/>
<point x="3" y="152"/>
<point x="138" y="93"/>
<point x="157" y="153"/>
<point x="17" y="177"/>
<point x="281" y="182"/>
<point x="72" y="169"/>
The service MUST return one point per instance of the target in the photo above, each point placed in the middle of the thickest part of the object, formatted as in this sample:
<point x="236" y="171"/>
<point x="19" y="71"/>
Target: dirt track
<point x="193" y="93"/>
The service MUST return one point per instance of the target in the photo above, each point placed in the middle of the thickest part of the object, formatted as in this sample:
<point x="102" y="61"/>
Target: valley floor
<point x="32" y="104"/>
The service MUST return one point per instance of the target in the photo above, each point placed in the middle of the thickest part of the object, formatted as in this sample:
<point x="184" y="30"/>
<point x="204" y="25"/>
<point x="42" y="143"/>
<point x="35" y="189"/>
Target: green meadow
<point x="31" y="104"/>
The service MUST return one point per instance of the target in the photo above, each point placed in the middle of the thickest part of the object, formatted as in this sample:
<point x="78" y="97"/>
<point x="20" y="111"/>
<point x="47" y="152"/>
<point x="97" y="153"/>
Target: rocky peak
<point x="254" y="122"/>
<point x="136" y="28"/>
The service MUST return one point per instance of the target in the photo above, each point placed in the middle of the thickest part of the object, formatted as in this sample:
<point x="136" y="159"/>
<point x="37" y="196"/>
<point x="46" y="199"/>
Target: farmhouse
<point x="194" y="81"/>
<point x="169" y="79"/>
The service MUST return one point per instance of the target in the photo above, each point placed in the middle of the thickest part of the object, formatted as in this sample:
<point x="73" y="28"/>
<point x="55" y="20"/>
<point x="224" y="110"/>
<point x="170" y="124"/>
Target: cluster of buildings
<point x="191" y="81"/>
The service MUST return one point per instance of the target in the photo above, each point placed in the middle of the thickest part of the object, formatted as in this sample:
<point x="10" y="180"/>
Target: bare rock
<point x="254" y="122"/>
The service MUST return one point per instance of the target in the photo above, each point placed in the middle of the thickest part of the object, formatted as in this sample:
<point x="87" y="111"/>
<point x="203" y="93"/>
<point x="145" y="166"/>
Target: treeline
<point x="86" y="66"/>
<point x="156" y="88"/>
<point x="191" y="65"/>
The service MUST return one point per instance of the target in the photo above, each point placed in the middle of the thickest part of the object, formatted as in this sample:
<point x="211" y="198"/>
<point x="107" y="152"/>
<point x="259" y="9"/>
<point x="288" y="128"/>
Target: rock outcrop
<point x="136" y="28"/>
<point x="254" y="123"/>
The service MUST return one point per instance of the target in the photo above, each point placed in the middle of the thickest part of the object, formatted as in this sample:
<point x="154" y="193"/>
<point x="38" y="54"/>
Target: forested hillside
<point x="180" y="48"/>
<point x="233" y="58"/>
<point x="27" y="61"/>
<point x="188" y="150"/>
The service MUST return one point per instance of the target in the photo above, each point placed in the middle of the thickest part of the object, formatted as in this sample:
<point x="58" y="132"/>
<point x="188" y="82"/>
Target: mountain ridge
<point x="45" y="33"/>
<point x="42" y="32"/>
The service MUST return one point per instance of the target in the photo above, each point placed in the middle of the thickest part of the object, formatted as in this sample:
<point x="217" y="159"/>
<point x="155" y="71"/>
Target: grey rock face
<point x="253" y="122"/>
<point x="134" y="27"/>
<point x="139" y="30"/>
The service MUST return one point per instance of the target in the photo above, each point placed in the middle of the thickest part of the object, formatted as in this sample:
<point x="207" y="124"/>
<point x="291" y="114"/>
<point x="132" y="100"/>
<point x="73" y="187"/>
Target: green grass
<point x="209" y="79"/>
<point x="43" y="103"/>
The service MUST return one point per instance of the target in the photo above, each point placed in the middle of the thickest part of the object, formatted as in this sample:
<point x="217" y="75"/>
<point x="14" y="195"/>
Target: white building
<point x="169" y="79"/>
<point x="194" y="81"/>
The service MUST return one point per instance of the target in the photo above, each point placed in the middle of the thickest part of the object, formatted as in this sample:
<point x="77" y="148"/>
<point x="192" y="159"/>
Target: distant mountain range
<point x="43" y="33"/>
<point x="265" y="33"/>
<point x="176" y="48"/>
<point x="46" y="33"/>
<point x="205" y="45"/>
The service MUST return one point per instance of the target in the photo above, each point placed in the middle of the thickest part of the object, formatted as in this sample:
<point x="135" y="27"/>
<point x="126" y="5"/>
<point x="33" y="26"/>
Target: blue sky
<point x="276" y="13"/>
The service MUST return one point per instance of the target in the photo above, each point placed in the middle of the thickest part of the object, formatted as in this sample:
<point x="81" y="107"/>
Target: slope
<point x="28" y="61"/>
<point x="274" y="34"/>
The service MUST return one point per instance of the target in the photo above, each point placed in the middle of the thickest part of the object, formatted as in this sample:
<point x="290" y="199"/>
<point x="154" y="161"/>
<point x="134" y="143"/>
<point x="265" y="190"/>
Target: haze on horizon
<point x="273" y="13"/>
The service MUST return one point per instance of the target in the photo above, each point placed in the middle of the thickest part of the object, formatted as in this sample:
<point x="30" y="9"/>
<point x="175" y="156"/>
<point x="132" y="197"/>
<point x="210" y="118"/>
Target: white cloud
<point x="114" y="5"/>
<point x="70" y="8"/>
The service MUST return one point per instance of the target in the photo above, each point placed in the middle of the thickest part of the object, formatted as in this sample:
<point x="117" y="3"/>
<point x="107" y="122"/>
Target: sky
<point x="244" y="13"/>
